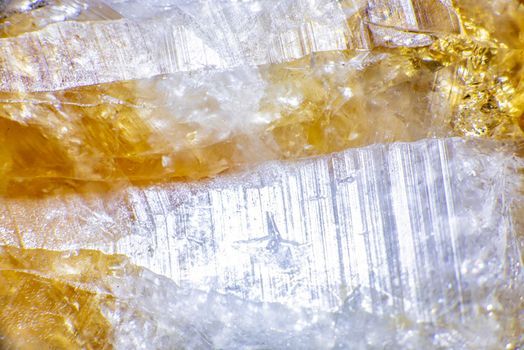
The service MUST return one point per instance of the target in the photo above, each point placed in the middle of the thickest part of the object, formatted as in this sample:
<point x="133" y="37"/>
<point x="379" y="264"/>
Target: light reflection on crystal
<point x="382" y="225"/>
<point x="406" y="246"/>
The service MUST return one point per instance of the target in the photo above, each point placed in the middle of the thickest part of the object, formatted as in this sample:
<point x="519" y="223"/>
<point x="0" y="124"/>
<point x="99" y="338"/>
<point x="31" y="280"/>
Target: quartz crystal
<point x="402" y="236"/>
<point x="261" y="174"/>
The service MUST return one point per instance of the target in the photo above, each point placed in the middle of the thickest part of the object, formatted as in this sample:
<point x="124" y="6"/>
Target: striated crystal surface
<point x="405" y="245"/>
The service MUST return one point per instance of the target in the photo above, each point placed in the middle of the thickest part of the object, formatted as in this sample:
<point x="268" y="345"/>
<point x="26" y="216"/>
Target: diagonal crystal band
<point x="407" y="223"/>
<point x="207" y="36"/>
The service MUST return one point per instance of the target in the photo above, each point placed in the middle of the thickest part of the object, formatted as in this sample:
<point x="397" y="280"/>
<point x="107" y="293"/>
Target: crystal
<point x="405" y="245"/>
<point x="53" y="300"/>
<point x="159" y="132"/>
<point x="306" y="88"/>
<point x="301" y="89"/>
<point x="402" y="237"/>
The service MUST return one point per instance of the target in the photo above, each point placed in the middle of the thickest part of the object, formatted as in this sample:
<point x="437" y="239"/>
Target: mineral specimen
<point x="111" y="110"/>
<point x="200" y="124"/>
<point x="404" y="236"/>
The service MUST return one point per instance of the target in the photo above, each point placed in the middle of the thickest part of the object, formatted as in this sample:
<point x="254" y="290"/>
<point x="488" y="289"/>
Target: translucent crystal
<point x="22" y="16"/>
<point x="405" y="246"/>
<point x="306" y="233"/>
<point x="53" y="300"/>
<point x="410" y="245"/>
<point x="199" y="125"/>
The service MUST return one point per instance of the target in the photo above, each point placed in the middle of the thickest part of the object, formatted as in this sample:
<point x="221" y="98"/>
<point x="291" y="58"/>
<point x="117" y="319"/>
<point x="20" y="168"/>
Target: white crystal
<point x="406" y="245"/>
<point x="130" y="40"/>
<point x="411" y="226"/>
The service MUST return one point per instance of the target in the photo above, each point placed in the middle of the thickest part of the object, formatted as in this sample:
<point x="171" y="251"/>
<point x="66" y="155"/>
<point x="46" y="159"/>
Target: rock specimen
<point x="115" y="114"/>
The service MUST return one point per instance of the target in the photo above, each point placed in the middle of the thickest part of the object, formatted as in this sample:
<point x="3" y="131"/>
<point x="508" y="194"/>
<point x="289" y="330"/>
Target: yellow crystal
<point x="460" y="85"/>
<point x="54" y="300"/>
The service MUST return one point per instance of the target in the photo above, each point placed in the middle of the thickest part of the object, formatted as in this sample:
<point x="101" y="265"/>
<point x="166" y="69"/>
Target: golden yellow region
<point x="102" y="133"/>
<point x="463" y="85"/>
<point x="394" y="99"/>
<point x="54" y="300"/>
<point x="14" y="22"/>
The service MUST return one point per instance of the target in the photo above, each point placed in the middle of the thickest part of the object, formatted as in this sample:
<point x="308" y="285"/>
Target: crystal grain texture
<point x="261" y="174"/>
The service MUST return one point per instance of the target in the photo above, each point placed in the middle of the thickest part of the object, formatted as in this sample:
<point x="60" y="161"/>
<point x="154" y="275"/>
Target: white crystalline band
<point x="404" y="242"/>
<point x="204" y="36"/>
<point x="73" y="54"/>
<point x="401" y="227"/>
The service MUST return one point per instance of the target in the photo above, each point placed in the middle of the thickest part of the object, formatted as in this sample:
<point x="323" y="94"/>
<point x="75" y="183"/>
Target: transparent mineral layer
<point x="409" y="244"/>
